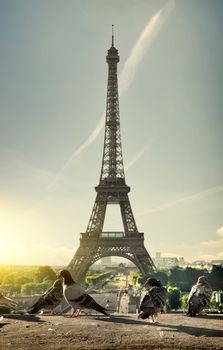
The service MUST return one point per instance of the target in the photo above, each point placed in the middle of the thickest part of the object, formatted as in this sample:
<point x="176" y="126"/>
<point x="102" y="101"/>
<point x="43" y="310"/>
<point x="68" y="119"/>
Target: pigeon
<point x="153" y="301"/>
<point x="199" y="297"/>
<point x="5" y="301"/>
<point x="77" y="297"/>
<point x="50" y="299"/>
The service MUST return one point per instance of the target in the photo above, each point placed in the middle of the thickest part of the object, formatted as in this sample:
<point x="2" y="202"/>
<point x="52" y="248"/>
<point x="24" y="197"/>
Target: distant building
<point x="106" y="261"/>
<point x="217" y="262"/>
<point x="200" y="264"/>
<point x="167" y="262"/>
<point x="181" y="261"/>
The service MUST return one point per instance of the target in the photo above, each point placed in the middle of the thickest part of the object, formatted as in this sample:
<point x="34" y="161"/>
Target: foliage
<point x="36" y="279"/>
<point x="173" y="298"/>
<point x="184" y="302"/>
<point x="134" y="276"/>
<point x="160" y="275"/>
<point x="29" y="288"/>
<point x="217" y="305"/>
<point x="10" y="288"/>
<point x="216" y="277"/>
<point x="44" y="273"/>
<point x="35" y="288"/>
<point x="97" y="277"/>
<point x="185" y="278"/>
<point x="13" y="278"/>
<point x="4" y="310"/>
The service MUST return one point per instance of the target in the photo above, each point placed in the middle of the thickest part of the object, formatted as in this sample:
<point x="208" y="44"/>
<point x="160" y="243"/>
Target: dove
<point x="199" y="297"/>
<point x="50" y="299"/>
<point x="5" y="301"/>
<point x="77" y="297"/>
<point x="153" y="301"/>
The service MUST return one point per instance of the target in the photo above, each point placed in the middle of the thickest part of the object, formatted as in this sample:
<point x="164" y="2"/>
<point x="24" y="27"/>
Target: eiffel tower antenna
<point x="112" y="189"/>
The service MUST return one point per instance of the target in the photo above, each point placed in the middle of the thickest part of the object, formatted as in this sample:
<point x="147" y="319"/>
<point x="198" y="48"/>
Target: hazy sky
<point x="52" y="98"/>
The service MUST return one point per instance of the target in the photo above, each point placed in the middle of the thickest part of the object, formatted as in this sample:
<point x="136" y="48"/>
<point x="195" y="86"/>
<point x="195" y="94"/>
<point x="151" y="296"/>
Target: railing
<point x="113" y="234"/>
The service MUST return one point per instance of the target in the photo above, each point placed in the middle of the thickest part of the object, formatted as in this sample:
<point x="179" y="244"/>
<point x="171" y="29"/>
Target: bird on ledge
<point x="77" y="297"/>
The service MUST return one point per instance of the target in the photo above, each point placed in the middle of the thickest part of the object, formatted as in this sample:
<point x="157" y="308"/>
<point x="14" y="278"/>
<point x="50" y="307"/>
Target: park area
<point x="173" y="331"/>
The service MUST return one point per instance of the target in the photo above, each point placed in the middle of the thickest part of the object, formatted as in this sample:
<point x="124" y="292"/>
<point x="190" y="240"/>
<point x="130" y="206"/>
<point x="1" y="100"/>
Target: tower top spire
<point x="112" y="35"/>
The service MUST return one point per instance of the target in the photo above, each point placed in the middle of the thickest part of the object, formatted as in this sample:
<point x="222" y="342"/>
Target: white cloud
<point x="220" y="232"/>
<point x="210" y="243"/>
<point x="143" y="43"/>
<point x="192" y="197"/>
<point x="135" y="158"/>
<point x="205" y="257"/>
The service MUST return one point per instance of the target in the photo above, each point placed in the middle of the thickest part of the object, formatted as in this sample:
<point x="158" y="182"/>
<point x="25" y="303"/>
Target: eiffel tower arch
<point x="112" y="189"/>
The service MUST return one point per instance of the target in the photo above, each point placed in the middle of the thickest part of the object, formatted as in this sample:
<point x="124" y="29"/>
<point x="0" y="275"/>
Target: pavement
<point x="121" y="331"/>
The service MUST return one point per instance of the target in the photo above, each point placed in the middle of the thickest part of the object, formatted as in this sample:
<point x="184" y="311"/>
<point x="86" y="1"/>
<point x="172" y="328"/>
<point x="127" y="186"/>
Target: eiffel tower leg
<point x="127" y="215"/>
<point x="143" y="261"/>
<point x="82" y="260"/>
<point x="96" y="221"/>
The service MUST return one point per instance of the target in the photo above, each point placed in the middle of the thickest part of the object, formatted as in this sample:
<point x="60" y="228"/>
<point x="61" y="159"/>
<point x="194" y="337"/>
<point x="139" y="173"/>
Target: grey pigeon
<point x="5" y="301"/>
<point x="199" y="297"/>
<point x="77" y="297"/>
<point x="50" y="299"/>
<point x="154" y="300"/>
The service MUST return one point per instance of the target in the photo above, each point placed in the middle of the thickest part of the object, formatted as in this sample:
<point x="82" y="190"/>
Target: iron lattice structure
<point x="112" y="189"/>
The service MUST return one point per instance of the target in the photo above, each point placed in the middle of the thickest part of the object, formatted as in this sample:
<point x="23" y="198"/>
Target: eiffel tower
<point x="112" y="189"/>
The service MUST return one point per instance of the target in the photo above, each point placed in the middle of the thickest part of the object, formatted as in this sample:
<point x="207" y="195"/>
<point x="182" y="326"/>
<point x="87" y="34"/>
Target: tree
<point x="160" y="275"/>
<point x="173" y="295"/>
<point x="10" y="289"/>
<point x="216" y="277"/>
<point x="44" y="273"/>
<point x="184" y="286"/>
<point x="4" y="310"/>
<point x="177" y="274"/>
<point x="185" y="278"/>
<point x="29" y="288"/>
<point x="184" y="302"/>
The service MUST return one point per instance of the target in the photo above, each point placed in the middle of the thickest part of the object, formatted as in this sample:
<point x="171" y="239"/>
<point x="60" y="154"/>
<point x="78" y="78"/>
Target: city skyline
<point x="53" y="95"/>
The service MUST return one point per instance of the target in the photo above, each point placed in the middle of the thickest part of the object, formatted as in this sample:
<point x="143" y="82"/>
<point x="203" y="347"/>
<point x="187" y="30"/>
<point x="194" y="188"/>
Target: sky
<point x="52" y="100"/>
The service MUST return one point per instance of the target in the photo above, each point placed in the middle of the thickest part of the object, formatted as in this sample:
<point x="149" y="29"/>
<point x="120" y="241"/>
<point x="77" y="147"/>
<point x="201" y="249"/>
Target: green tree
<point x="184" y="302"/>
<point x="216" y="277"/>
<point x="29" y="288"/>
<point x="173" y="296"/>
<point x="176" y="275"/>
<point x="185" y="278"/>
<point x="184" y="286"/>
<point x="10" y="289"/>
<point x="10" y="278"/>
<point x="217" y="304"/>
<point x="4" y="310"/>
<point x="159" y="275"/>
<point x="44" y="273"/>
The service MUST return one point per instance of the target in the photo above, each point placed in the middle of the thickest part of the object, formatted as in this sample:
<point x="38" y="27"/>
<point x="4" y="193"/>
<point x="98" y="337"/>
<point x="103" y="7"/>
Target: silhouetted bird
<point x="154" y="300"/>
<point x="5" y="301"/>
<point x="199" y="297"/>
<point x="50" y="299"/>
<point x="77" y="297"/>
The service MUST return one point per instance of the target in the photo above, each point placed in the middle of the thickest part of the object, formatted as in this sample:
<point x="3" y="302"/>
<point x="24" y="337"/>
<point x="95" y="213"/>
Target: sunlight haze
<point x="52" y="100"/>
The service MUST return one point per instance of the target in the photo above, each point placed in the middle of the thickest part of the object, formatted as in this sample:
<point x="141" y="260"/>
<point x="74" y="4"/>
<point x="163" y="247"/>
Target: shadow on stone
<point x="28" y="318"/>
<point x="124" y="320"/>
<point x="195" y="331"/>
